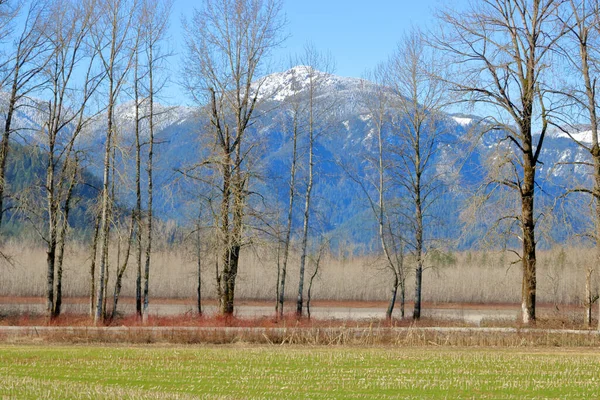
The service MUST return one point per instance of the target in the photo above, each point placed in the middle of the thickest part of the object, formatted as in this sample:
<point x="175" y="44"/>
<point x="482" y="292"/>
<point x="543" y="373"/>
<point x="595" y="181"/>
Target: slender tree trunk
<point x="138" y="192"/>
<point x="589" y="299"/>
<point x="105" y="297"/>
<point x="288" y="232"/>
<point x="278" y="275"/>
<point x="402" y="299"/>
<point x="63" y="235"/>
<point x="311" y="280"/>
<point x="299" y="302"/>
<point x="199" y="265"/>
<point x="596" y="154"/>
<point x="146" y="298"/>
<point x="121" y="270"/>
<point x="418" y="232"/>
<point x="104" y="217"/>
<point x="52" y="224"/>
<point x="93" y="267"/>
<point x="150" y="167"/>
<point x="392" y="303"/>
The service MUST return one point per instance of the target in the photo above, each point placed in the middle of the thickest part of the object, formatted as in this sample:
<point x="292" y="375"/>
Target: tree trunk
<point x="232" y="255"/>
<point x="228" y="277"/>
<point x="596" y="192"/>
<point x="299" y="302"/>
<point x="138" y="192"/>
<point x="288" y="232"/>
<point x="529" y="257"/>
<point x="390" y="309"/>
<point x="93" y="267"/>
<point x="121" y="270"/>
<point x="199" y="267"/>
<point x="310" y="282"/>
<point x="105" y="210"/>
<point x="150" y="188"/>
<point x="402" y="299"/>
<point x="418" y="283"/>
<point x="63" y="234"/>
<point x="50" y="259"/>
<point x="278" y="275"/>
<point x="589" y="301"/>
<point x="52" y="223"/>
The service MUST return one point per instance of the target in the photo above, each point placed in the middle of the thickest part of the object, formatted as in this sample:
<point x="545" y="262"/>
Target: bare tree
<point x="137" y="212"/>
<point x="112" y="37"/>
<point x="500" y="50"/>
<point x="377" y="100"/>
<point x="579" y="49"/>
<point x="227" y="43"/>
<point x="315" y="68"/>
<point x="156" y="16"/>
<point x="306" y="79"/>
<point x="417" y="130"/>
<point x="294" y="104"/>
<point x="66" y="117"/>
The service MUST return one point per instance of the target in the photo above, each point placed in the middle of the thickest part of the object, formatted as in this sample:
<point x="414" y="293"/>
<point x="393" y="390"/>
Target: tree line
<point x="504" y="60"/>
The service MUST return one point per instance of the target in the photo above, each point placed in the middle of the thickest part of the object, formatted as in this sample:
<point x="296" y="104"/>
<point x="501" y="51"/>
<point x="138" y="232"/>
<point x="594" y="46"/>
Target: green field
<point x="242" y="372"/>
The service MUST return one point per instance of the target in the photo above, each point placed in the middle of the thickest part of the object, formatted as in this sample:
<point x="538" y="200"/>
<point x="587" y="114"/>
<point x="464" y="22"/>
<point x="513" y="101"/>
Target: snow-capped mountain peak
<point x="282" y="85"/>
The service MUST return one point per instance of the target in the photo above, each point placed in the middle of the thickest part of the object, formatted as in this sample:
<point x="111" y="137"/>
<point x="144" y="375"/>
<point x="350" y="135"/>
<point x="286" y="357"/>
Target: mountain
<point x="345" y="132"/>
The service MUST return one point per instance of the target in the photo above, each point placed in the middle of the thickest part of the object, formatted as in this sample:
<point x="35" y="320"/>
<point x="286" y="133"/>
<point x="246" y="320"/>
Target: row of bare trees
<point x="130" y="41"/>
<point x="74" y="62"/>
<point x="499" y="58"/>
<point x="503" y="59"/>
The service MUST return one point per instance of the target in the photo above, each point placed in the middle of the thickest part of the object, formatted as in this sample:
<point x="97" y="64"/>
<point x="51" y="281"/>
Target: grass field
<point x="241" y="372"/>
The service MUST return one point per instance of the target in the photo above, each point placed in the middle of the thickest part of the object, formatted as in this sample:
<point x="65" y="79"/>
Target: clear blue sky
<point x="357" y="33"/>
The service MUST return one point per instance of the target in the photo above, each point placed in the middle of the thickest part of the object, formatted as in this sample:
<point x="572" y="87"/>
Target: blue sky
<point x="357" y="33"/>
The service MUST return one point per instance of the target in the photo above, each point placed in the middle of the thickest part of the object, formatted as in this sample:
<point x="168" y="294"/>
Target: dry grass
<point x="304" y="335"/>
<point x="472" y="277"/>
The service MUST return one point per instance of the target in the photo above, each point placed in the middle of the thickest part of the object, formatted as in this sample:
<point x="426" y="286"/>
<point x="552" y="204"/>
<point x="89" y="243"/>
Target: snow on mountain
<point x="462" y="121"/>
<point x="165" y="116"/>
<point x="349" y="136"/>
<point x="282" y="85"/>
<point x="583" y="137"/>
